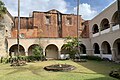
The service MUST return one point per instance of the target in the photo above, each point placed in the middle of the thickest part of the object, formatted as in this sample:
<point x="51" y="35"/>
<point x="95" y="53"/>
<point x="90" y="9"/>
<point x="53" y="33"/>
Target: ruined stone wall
<point x="46" y="30"/>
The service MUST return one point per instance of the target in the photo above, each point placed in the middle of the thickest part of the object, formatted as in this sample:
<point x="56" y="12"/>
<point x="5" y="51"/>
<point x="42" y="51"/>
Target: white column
<point x="44" y="52"/>
<point x="113" y="54"/>
<point x="101" y="53"/>
<point x="99" y="31"/>
<point x="26" y="53"/>
<point x="59" y="54"/>
<point x="111" y="27"/>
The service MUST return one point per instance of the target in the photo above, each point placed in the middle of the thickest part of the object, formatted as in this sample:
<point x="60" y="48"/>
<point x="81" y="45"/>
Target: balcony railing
<point x="96" y="34"/>
<point x="109" y="56"/>
<point x="105" y="31"/>
<point x="116" y="27"/>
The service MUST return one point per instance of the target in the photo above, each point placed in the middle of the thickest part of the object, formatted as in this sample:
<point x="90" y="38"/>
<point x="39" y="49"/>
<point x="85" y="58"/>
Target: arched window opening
<point x="104" y="24"/>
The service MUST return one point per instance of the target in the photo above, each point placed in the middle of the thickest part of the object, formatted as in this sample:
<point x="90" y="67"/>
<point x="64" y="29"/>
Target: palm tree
<point x="3" y="9"/>
<point x="71" y="46"/>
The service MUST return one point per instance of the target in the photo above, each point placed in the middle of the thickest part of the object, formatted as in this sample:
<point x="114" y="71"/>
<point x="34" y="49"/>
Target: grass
<point x="90" y="70"/>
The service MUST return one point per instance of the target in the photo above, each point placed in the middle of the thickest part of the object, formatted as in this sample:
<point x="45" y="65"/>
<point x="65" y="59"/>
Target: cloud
<point x="27" y="6"/>
<point x="86" y="11"/>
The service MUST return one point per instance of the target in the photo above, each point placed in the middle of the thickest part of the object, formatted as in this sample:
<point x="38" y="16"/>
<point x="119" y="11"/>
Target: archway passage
<point x="115" y="18"/>
<point x="106" y="48"/>
<point x="116" y="47"/>
<point x="64" y="50"/>
<point x="13" y="51"/>
<point x="32" y="47"/>
<point x="104" y="24"/>
<point x="51" y="52"/>
<point x="82" y="49"/>
<point x="96" y="48"/>
<point x="95" y="29"/>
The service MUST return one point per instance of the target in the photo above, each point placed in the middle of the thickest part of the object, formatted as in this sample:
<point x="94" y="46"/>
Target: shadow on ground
<point x="102" y="78"/>
<point x="99" y="67"/>
<point x="33" y="69"/>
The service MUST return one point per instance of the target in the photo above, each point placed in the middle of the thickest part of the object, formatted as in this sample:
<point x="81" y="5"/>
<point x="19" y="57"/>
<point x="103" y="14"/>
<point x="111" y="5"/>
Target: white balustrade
<point x="116" y="27"/>
<point x="109" y="56"/>
<point x="96" y="34"/>
<point x="97" y="55"/>
<point x="105" y="31"/>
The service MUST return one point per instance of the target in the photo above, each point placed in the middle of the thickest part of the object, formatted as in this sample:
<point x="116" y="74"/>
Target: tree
<point x="37" y="52"/>
<point x="3" y="9"/>
<point x="71" y="46"/>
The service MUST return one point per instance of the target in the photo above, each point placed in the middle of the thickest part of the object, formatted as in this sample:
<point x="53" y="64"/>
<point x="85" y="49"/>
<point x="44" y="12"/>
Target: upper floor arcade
<point x="105" y="22"/>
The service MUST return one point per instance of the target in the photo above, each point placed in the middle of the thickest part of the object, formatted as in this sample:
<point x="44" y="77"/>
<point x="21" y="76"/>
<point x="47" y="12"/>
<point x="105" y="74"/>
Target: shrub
<point x="91" y="58"/>
<point x="94" y="58"/>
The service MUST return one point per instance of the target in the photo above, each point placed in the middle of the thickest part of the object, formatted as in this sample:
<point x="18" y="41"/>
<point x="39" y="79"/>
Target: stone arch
<point x="104" y="24"/>
<point x="31" y="47"/>
<point x="95" y="29"/>
<point x="115" y="19"/>
<point x="13" y="51"/>
<point x="105" y="46"/>
<point x="82" y="49"/>
<point x="116" y="47"/>
<point x="96" y="48"/>
<point x="63" y="50"/>
<point x="51" y="52"/>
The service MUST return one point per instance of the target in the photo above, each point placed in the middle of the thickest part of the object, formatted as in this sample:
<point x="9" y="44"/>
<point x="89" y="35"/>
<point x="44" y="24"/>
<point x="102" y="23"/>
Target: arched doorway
<point x="64" y="53"/>
<point x="116" y="47"/>
<point x="51" y="52"/>
<point x="82" y="49"/>
<point x="63" y="50"/>
<point x="13" y="51"/>
<point x="95" y="29"/>
<point x="96" y="48"/>
<point x="104" y="24"/>
<point x="30" y="49"/>
<point x="106" y="47"/>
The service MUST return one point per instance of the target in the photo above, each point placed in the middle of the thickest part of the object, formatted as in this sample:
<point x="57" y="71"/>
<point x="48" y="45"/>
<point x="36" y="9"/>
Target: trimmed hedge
<point x="91" y="58"/>
<point x="22" y="58"/>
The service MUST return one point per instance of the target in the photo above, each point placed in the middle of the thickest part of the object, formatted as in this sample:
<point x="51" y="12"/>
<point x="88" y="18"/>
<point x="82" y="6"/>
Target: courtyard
<point x="90" y="70"/>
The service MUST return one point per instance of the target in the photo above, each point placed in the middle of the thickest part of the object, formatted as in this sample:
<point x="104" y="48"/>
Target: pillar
<point x="101" y="53"/>
<point x="99" y="31"/>
<point x="113" y="54"/>
<point x="44" y="52"/>
<point x="59" y="54"/>
<point x="26" y="53"/>
<point x="111" y="27"/>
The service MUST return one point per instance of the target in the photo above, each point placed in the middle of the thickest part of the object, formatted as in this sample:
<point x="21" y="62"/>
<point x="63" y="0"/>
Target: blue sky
<point x="88" y="8"/>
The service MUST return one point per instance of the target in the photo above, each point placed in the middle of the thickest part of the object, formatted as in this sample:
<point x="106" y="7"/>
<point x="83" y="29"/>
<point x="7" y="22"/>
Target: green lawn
<point x="90" y="70"/>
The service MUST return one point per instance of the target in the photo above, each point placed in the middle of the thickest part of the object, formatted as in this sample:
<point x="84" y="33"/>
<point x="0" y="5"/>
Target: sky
<point x="88" y="8"/>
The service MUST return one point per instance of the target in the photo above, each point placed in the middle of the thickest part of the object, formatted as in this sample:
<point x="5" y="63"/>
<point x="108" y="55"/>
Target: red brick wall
<point x="36" y="26"/>
<point x="28" y="33"/>
<point x="85" y="31"/>
<point x="25" y="23"/>
<point x="70" y="30"/>
<point x="44" y="29"/>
